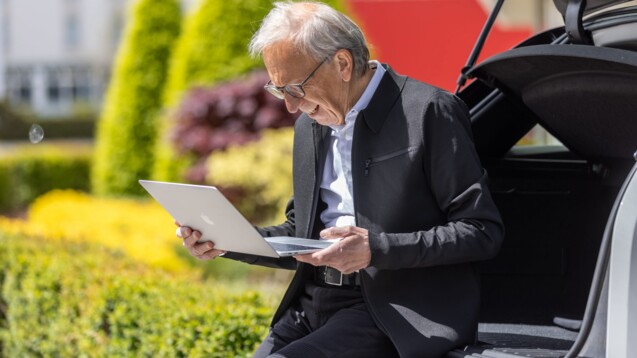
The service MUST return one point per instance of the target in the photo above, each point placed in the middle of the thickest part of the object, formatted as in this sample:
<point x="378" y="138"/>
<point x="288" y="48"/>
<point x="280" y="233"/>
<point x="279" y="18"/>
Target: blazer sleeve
<point x="472" y="228"/>
<point x="285" y="229"/>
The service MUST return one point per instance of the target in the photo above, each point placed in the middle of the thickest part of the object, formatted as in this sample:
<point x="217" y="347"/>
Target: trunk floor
<point x="515" y="340"/>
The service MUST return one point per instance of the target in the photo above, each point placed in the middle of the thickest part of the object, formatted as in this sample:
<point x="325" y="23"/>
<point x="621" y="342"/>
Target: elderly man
<point x="387" y="165"/>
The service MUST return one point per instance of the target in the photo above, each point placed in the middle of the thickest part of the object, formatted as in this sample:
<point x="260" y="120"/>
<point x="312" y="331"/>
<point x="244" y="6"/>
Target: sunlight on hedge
<point x="64" y="299"/>
<point x="143" y="230"/>
<point x="263" y="169"/>
<point x="28" y="171"/>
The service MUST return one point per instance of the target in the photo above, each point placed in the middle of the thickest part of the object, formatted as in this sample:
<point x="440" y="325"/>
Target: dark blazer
<point x="420" y="190"/>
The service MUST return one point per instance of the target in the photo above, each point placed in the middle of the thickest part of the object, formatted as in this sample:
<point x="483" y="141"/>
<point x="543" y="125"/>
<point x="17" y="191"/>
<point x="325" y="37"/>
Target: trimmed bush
<point x="128" y="124"/>
<point x="212" y="48"/>
<point x="232" y="113"/>
<point x="213" y="45"/>
<point x="15" y="127"/>
<point x="261" y="197"/>
<point x="36" y="169"/>
<point x="67" y="300"/>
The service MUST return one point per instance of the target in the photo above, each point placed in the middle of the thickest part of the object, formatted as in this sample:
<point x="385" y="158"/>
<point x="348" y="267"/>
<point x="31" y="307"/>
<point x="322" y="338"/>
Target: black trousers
<point x="327" y="322"/>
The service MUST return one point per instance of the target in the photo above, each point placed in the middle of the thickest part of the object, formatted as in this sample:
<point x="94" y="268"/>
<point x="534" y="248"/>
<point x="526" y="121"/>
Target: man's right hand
<point x="201" y="250"/>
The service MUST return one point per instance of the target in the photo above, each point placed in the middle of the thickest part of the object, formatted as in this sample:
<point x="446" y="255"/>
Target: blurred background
<point x="96" y="94"/>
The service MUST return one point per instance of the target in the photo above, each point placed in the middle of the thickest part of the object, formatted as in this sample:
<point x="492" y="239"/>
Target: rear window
<point x="538" y="136"/>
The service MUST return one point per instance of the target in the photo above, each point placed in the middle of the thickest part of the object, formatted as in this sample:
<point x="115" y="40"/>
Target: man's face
<point x="326" y="94"/>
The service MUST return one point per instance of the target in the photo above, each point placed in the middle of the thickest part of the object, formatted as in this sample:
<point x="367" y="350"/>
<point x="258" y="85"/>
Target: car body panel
<point x="622" y="298"/>
<point x="569" y="259"/>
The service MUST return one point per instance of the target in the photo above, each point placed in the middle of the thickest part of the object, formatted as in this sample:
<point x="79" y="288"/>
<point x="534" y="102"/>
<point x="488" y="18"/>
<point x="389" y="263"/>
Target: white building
<point x="56" y="55"/>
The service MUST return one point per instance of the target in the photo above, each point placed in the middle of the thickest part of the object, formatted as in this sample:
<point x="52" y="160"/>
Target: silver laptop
<point x="205" y="209"/>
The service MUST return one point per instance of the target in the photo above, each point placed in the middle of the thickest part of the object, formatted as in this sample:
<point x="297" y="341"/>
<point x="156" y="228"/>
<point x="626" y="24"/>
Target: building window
<point x="53" y="87"/>
<point x="19" y="89"/>
<point x="24" y="93"/>
<point x="81" y="86"/>
<point x="6" y="26"/>
<point x="72" y="31"/>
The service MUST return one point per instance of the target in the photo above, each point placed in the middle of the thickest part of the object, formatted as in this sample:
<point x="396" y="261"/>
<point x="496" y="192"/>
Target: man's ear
<point x="345" y="63"/>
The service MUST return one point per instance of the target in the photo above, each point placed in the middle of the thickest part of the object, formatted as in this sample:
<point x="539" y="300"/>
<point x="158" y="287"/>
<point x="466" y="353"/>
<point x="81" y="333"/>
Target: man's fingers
<point x="202" y="248"/>
<point x="326" y="253"/>
<point x="347" y="255"/>
<point x="308" y="259"/>
<point x="322" y="257"/>
<point x="183" y="232"/>
<point x="192" y="239"/>
<point x="302" y="258"/>
<point x="333" y="232"/>
<point x="210" y="255"/>
<point x="337" y="232"/>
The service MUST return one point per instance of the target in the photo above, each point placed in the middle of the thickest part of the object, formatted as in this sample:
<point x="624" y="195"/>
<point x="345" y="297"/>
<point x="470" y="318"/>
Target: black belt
<point x="334" y="277"/>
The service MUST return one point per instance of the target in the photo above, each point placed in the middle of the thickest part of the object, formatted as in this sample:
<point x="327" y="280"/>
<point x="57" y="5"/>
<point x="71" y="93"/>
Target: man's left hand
<point x="349" y="254"/>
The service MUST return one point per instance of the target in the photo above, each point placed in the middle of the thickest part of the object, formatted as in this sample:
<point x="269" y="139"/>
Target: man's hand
<point x="350" y="254"/>
<point x="202" y="251"/>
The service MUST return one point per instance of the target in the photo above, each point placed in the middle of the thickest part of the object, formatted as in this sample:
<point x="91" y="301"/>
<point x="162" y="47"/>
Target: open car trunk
<point x="556" y="201"/>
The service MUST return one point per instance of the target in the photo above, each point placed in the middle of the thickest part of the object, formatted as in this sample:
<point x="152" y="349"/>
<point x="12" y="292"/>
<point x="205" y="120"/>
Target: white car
<point x="565" y="281"/>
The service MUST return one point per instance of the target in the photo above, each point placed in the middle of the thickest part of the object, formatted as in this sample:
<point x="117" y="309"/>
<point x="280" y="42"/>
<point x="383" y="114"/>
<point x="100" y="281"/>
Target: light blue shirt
<point x="336" y="184"/>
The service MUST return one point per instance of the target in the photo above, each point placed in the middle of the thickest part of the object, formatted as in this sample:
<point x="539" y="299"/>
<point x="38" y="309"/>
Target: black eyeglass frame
<point x="294" y="89"/>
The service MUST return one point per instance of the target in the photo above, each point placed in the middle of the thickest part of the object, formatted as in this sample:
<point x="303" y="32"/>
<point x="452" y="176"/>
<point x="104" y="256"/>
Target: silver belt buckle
<point x="333" y="276"/>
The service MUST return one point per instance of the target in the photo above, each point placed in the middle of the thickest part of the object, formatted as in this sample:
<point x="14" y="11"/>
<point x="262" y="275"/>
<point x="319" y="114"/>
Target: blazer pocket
<point x="369" y="162"/>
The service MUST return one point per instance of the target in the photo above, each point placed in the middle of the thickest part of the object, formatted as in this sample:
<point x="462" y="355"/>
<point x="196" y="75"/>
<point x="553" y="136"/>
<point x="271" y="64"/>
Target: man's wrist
<point x="379" y="249"/>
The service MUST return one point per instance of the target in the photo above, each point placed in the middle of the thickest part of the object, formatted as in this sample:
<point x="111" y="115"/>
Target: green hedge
<point x="31" y="171"/>
<point x="128" y="125"/>
<point x="16" y="127"/>
<point x="64" y="300"/>
<point x="212" y="47"/>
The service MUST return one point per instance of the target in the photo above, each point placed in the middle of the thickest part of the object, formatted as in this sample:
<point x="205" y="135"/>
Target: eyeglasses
<point x="294" y="90"/>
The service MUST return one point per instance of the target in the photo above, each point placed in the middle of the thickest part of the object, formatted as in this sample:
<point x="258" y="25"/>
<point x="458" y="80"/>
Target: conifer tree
<point x="127" y="128"/>
<point x="212" y="48"/>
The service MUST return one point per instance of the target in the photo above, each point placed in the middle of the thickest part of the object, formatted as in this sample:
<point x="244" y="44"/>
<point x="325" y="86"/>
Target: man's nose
<point x="292" y="103"/>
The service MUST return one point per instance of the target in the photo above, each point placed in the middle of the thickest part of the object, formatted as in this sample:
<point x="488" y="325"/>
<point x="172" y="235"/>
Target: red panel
<point x="429" y="39"/>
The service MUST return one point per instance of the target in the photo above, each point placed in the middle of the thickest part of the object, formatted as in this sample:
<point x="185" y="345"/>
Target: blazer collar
<point x="384" y="99"/>
<point x="321" y="135"/>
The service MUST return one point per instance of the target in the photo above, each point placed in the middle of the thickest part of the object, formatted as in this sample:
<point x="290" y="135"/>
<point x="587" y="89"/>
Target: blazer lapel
<point x="383" y="100"/>
<point x="321" y="139"/>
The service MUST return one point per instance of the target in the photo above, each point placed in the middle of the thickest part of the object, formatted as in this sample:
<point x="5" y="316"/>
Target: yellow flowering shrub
<point x="141" y="229"/>
<point x="262" y="169"/>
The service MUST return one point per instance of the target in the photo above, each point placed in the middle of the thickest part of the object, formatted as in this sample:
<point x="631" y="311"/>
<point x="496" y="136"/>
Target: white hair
<point x="315" y="29"/>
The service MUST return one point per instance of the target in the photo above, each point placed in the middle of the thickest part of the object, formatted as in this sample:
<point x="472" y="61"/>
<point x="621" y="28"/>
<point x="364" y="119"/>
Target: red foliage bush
<point x="231" y="113"/>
